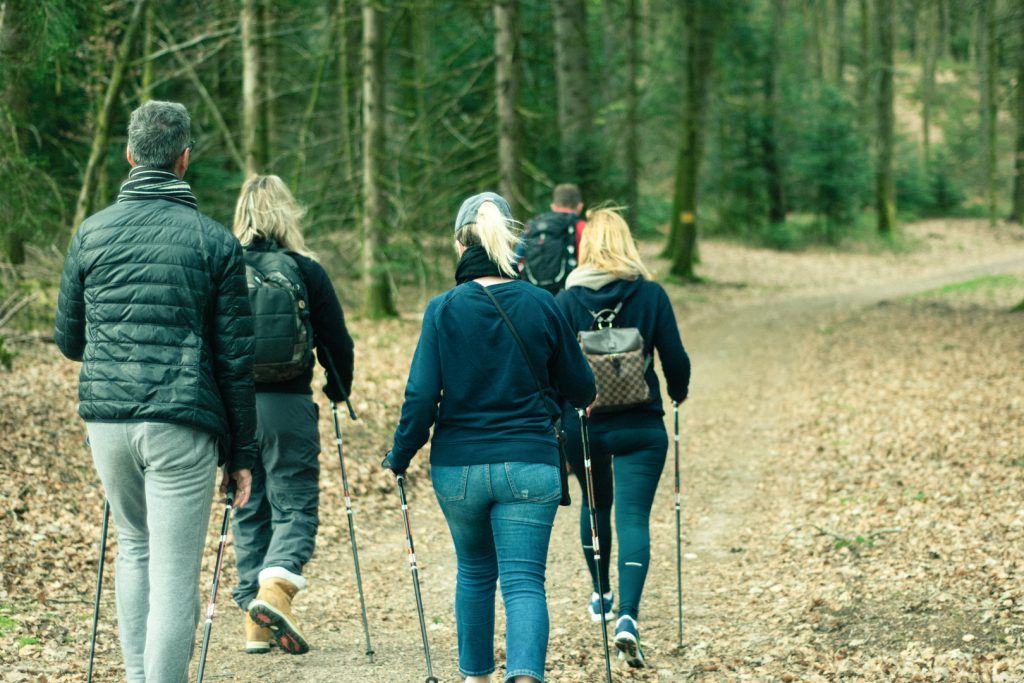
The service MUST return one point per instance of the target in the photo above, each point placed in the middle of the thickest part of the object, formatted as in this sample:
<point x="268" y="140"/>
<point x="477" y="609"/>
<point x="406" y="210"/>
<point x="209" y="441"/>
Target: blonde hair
<point x="495" y="233"/>
<point x="266" y="209"/>
<point x="608" y="246"/>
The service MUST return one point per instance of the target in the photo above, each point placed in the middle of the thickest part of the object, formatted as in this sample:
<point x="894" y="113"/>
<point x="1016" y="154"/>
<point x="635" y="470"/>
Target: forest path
<point x="750" y="361"/>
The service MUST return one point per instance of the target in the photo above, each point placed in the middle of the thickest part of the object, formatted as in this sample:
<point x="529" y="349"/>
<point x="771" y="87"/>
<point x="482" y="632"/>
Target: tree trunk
<point x="769" y="143"/>
<point x="268" y="73"/>
<point x="632" y="133"/>
<point x="17" y="52"/>
<point x="345" y="112"/>
<point x="944" y="29"/>
<point x="987" y="62"/>
<point x="699" y="36"/>
<point x="250" y="87"/>
<point x="330" y="33"/>
<point x="101" y="132"/>
<point x="818" y="37"/>
<point x="378" y="299"/>
<point x="866" y="58"/>
<point x="147" y="50"/>
<point x="572" y="74"/>
<point x="506" y="54"/>
<point x="1017" y="212"/>
<point x="885" y="184"/>
<point x="839" y="33"/>
<point x="929" y="48"/>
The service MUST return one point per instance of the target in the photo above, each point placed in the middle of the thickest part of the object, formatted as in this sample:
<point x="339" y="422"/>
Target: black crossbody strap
<point x="519" y="341"/>
<point x="563" y="467"/>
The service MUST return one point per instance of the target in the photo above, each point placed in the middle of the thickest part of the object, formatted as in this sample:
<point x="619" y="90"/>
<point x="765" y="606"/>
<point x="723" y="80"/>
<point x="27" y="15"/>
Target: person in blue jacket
<point x="611" y="272"/>
<point x="495" y="463"/>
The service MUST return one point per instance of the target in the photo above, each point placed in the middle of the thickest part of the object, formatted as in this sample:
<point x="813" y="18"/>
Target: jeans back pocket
<point x="533" y="481"/>
<point x="449" y="482"/>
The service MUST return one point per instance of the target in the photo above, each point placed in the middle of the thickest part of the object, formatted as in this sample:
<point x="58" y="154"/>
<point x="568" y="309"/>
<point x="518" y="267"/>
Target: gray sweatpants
<point x="277" y="527"/>
<point x="159" y="480"/>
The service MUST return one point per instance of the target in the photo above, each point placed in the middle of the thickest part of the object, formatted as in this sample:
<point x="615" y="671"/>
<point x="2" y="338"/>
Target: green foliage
<point x="830" y="162"/>
<point x="927" y="191"/>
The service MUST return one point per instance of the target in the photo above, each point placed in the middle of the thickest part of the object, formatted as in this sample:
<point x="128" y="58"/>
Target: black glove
<point x="389" y="464"/>
<point x="333" y="393"/>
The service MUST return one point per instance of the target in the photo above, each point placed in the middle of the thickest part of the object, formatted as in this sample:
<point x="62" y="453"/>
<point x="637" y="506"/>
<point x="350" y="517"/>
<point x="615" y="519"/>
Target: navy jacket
<point x="470" y="381"/>
<point x="646" y="307"/>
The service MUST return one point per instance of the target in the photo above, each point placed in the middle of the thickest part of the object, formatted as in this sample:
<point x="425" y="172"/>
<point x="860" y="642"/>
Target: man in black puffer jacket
<point x="153" y="301"/>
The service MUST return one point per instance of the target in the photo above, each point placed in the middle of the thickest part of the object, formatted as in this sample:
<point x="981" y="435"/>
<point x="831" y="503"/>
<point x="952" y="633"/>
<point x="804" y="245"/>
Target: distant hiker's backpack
<point x="616" y="356"/>
<point x="280" y="312"/>
<point x="550" y="250"/>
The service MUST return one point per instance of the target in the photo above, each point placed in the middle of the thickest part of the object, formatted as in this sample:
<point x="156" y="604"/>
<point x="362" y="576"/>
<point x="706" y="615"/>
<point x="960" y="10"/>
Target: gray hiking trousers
<point x="277" y="528"/>
<point x="159" y="480"/>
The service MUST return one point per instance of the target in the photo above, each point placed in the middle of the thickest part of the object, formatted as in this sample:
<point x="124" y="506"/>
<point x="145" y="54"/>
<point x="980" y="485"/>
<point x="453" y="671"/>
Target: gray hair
<point x="158" y="132"/>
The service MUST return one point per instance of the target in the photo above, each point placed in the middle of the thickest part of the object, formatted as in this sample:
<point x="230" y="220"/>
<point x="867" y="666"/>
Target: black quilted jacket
<point x="153" y="301"/>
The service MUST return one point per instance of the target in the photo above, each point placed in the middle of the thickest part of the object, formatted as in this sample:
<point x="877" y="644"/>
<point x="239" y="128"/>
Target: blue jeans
<point x="500" y="517"/>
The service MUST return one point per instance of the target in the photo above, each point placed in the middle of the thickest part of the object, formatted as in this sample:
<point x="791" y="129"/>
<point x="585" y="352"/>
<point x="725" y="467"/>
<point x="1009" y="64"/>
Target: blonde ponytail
<point x="495" y="234"/>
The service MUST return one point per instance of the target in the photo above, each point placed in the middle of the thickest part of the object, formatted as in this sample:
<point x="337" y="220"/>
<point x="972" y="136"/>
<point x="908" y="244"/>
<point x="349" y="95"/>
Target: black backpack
<point x="280" y="311"/>
<point x="549" y="254"/>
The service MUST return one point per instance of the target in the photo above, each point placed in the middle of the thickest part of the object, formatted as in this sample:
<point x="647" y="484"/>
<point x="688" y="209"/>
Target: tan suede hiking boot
<point x="257" y="638"/>
<point x="272" y="608"/>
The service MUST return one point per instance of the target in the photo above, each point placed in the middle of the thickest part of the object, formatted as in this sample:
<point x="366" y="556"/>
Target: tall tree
<point x="147" y="50"/>
<point x="885" y="183"/>
<point x="506" y="55"/>
<point x="101" y="128"/>
<point x="1017" y="211"/>
<point x="839" y="35"/>
<point x="698" y="32"/>
<point x="769" y="141"/>
<point x="929" y="53"/>
<point x="988" y="64"/>
<point x="378" y="299"/>
<point x="866" y="58"/>
<point x="575" y="116"/>
<point x="632" y="134"/>
<point x="17" y="53"/>
<point x="250" y="86"/>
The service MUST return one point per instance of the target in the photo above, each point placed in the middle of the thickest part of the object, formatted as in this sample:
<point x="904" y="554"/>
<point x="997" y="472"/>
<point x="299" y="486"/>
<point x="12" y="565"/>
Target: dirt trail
<point x="756" y="349"/>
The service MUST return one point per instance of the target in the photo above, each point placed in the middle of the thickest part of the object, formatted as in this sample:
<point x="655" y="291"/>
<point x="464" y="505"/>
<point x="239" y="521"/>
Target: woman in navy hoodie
<point x="494" y="457"/>
<point x="611" y="273"/>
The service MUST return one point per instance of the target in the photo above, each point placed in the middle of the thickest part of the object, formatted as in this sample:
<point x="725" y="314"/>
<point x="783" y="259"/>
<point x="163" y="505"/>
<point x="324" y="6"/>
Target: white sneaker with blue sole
<point x="597" y="603"/>
<point x="627" y="642"/>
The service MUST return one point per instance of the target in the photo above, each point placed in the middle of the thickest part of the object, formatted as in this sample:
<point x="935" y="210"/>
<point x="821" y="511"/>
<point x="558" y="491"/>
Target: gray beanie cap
<point x="469" y="208"/>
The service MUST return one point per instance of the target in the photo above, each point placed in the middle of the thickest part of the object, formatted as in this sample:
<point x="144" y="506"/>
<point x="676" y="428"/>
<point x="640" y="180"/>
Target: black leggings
<point x="639" y="454"/>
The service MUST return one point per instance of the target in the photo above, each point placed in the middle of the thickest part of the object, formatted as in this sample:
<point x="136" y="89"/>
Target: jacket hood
<point x="607" y="296"/>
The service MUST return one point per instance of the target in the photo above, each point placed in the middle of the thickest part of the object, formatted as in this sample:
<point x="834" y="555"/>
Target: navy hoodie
<point x="469" y="378"/>
<point x="646" y="307"/>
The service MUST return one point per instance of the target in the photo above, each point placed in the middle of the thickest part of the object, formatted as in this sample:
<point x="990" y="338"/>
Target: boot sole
<point x="285" y="633"/>
<point x="629" y="650"/>
<point x="256" y="647"/>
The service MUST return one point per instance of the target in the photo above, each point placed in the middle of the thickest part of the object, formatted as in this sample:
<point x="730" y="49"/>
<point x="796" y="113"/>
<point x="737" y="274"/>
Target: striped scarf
<point x="151" y="183"/>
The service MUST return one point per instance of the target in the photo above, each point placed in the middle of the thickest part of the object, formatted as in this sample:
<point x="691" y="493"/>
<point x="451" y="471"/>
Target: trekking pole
<point x="414" y="569"/>
<point x="679" y="533"/>
<point x="229" y="500"/>
<point x="585" y="433"/>
<point x="351" y="524"/>
<point x="99" y="585"/>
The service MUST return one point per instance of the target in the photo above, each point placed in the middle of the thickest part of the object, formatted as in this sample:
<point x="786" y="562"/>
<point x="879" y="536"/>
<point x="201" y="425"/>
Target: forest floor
<point x="853" y="492"/>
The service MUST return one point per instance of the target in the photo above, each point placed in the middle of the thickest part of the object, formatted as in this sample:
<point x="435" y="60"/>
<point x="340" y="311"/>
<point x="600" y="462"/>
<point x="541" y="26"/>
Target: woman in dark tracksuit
<point x="610" y="273"/>
<point x="274" y="535"/>
<point x="494" y="458"/>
